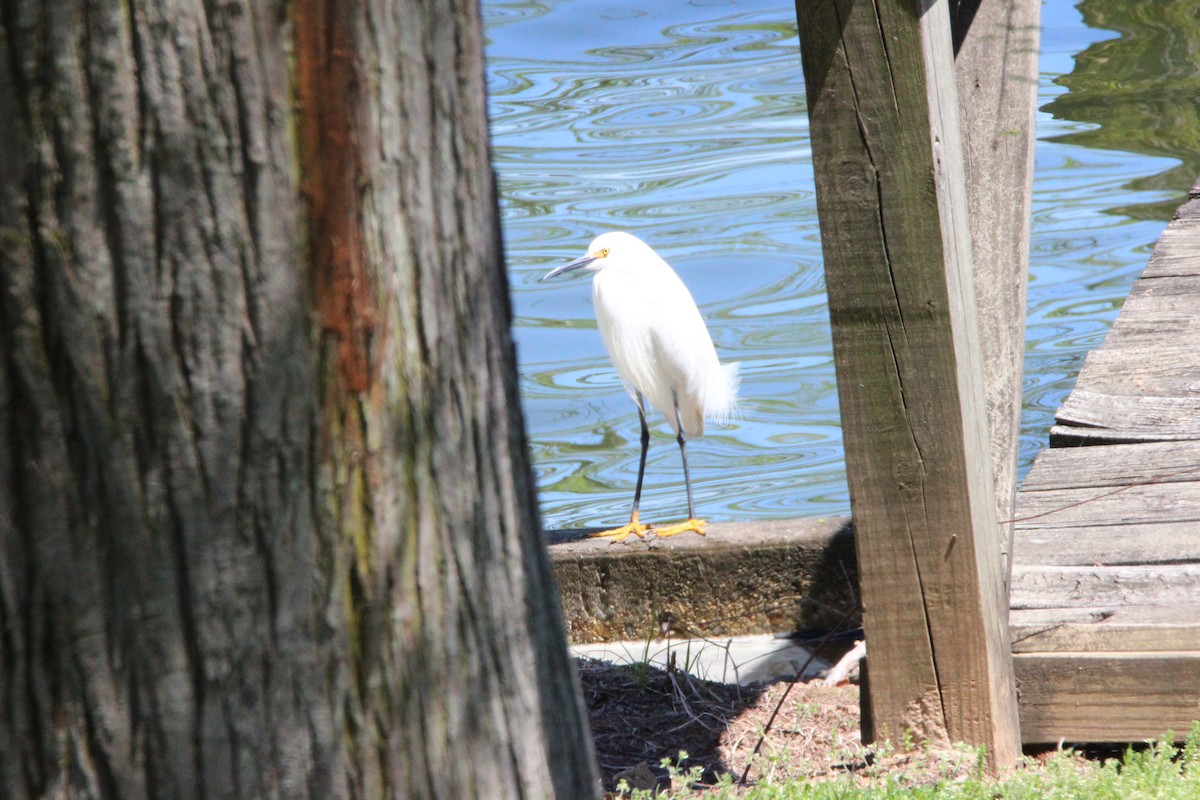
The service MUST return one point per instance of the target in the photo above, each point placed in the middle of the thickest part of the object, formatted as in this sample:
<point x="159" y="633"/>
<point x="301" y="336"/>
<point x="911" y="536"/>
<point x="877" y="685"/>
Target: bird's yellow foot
<point x="622" y="533"/>
<point x="692" y="524"/>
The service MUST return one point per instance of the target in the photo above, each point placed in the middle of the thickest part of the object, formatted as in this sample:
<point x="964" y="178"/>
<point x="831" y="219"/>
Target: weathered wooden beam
<point x="1115" y="467"/>
<point x="1114" y="545"/>
<point x="1106" y="696"/>
<point x="1140" y="385"/>
<point x="1149" y="628"/>
<point x="1089" y="586"/>
<point x="891" y="194"/>
<point x="1077" y="507"/>
<point x="996" y="66"/>
<point x="1106" y="589"/>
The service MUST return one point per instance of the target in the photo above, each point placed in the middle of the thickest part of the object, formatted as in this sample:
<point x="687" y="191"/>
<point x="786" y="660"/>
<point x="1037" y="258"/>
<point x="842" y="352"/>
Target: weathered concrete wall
<point x="750" y="577"/>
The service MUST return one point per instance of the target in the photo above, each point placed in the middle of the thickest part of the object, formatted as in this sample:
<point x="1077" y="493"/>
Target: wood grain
<point x="996" y="70"/>
<point x="1143" y="383"/>
<point x="892" y="199"/>
<point x="1114" y="466"/>
<point x="1106" y="589"/>
<point x="1106" y="696"/>
<point x="1146" y="628"/>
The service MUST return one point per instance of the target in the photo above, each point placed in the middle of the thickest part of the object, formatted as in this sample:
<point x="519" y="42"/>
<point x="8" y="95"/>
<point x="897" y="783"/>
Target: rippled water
<point x="1097" y="211"/>
<point x="686" y="125"/>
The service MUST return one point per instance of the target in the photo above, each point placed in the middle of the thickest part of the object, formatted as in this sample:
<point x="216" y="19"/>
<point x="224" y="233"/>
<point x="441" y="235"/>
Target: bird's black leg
<point x="682" y="439"/>
<point x="634" y="526"/>
<point x="692" y="524"/>
<point x="637" y="493"/>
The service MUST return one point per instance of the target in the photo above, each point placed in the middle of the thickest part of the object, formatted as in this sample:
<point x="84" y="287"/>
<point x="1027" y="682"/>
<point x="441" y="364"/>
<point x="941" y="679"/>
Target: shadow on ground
<point x="641" y="715"/>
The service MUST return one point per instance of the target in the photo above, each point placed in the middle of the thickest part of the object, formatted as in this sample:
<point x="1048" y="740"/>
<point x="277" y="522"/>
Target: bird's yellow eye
<point x="604" y="252"/>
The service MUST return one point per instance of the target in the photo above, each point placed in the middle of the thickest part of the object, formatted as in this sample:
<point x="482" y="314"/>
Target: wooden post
<point x="891" y="193"/>
<point x="996" y="64"/>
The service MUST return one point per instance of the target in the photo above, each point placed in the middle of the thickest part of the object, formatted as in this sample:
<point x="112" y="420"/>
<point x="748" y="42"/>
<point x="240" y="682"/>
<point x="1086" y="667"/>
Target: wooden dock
<point x="1105" y="602"/>
<point x="922" y="135"/>
<point x="1106" y="576"/>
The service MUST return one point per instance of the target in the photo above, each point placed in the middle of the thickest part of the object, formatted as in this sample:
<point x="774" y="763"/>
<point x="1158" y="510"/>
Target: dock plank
<point x="1141" y="544"/>
<point x="1150" y="628"/>
<point x="1143" y="384"/>
<point x="1105" y="601"/>
<point x="1088" y="506"/>
<point x="1106" y="696"/>
<point x="1160" y="316"/>
<point x="1095" y="419"/>
<point x="1114" y="465"/>
<point x="1146" y="370"/>
<point x="1176" y="251"/>
<point x="1043" y="586"/>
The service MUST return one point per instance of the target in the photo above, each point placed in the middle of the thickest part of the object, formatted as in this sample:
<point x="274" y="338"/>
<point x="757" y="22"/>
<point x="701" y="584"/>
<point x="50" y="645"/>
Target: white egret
<point x="661" y="350"/>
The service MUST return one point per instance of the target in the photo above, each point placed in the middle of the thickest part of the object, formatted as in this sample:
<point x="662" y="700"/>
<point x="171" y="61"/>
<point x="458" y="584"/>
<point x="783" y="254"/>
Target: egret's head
<point x="605" y="250"/>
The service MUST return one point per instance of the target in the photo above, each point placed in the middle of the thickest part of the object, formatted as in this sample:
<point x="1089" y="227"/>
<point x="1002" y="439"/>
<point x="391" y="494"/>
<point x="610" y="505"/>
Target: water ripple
<point x="685" y="124"/>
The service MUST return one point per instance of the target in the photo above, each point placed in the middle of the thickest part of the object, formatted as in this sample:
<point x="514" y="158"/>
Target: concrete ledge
<point x="742" y="578"/>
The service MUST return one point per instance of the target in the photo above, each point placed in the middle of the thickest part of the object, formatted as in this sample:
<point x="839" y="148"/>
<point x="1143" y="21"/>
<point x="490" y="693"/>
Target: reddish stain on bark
<point x="327" y="85"/>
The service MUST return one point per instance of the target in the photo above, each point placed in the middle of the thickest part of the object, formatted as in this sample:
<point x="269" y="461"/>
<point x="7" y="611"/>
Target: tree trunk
<point x="267" y="524"/>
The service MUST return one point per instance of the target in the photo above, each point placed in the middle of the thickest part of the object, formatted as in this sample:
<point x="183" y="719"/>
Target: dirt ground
<point x="641" y="715"/>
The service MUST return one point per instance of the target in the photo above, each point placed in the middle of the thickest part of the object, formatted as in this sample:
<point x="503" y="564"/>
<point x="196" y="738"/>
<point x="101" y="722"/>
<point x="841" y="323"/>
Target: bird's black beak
<point x="582" y="261"/>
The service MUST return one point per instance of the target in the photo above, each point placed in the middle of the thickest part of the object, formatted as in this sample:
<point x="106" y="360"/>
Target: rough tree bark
<point x="267" y="525"/>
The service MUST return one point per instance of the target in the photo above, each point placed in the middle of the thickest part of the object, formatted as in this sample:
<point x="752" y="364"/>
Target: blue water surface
<point x="685" y="124"/>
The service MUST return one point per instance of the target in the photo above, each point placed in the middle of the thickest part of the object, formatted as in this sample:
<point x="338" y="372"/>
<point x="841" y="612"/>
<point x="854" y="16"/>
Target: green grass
<point x="1161" y="771"/>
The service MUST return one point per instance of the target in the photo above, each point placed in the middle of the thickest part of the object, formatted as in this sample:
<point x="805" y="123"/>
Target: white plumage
<point x="660" y="347"/>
